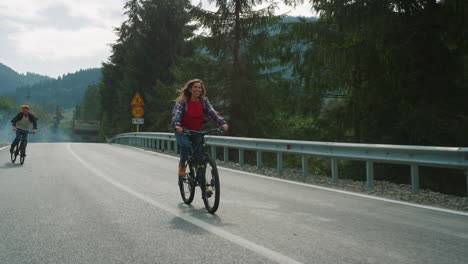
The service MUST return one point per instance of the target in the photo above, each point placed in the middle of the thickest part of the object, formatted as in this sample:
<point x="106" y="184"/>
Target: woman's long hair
<point x="185" y="93"/>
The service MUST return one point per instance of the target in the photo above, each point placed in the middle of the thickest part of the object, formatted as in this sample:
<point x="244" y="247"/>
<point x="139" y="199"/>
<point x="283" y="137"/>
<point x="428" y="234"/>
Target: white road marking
<point x="326" y="188"/>
<point x="3" y="148"/>
<point x="265" y="252"/>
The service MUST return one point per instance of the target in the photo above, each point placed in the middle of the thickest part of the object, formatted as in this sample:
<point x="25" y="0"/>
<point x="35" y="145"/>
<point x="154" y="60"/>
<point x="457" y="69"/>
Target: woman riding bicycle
<point x="190" y="112"/>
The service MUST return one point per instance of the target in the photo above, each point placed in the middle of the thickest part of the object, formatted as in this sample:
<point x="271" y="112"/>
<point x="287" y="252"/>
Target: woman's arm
<point x="177" y="114"/>
<point x="214" y="115"/>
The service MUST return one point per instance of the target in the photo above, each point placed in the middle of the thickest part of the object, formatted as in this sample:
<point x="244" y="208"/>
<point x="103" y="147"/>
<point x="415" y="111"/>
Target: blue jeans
<point x="20" y="133"/>
<point x="186" y="142"/>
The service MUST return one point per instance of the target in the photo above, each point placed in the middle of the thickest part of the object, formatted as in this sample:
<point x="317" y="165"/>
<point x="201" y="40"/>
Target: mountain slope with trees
<point x="66" y="91"/>
<point x="10" y="79"/>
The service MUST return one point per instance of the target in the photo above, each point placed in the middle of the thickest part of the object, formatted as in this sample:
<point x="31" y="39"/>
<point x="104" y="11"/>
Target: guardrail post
<point x="334" y="169"/>
<point x="259" y="160"/>
<point x="279" y="162"/>
<point x="213" y="152"/>
<point x="414" y="179"/>
<point x="158" y="144"/>
<point x="305" y="166"/>
<point x="169" y="145"/>
<point x="466" y="173"/>
<point x="226" y="155"/>
<point x="241" y="157"/>
<point x="370" y="174"/>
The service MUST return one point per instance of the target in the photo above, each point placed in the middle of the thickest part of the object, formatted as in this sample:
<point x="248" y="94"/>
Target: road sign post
<point x="138" y="111"/>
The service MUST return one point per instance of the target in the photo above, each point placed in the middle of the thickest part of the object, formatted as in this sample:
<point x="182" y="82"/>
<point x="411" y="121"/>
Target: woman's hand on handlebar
<point x="179" y="129"/>
<point x="225" y="127"/>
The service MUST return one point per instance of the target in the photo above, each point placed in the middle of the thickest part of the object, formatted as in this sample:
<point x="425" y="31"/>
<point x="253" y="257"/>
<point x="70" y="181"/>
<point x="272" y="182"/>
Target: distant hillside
<point x="10" y="79"/>
<point x="66" y="91"/>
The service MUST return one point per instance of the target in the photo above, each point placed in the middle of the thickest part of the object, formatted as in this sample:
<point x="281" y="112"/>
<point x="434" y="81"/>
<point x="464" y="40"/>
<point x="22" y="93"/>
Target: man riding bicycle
<point x="21" y="123"/>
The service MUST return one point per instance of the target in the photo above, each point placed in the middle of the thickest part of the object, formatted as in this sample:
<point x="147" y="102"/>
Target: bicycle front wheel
<point x="23" y="152"/>
<point x="14" y="154"/>
<point x="187" y="185"/>
<point x="211" y="191"/>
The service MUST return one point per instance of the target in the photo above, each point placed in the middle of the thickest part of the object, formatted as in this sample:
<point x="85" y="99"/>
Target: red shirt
<point x="193" y="117"/>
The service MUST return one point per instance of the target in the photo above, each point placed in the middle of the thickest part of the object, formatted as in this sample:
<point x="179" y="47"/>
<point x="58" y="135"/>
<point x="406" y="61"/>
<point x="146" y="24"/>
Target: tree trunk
<point x="237" y="32"/>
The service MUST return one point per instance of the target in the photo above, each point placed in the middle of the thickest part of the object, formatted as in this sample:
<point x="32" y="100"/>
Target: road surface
<point x="100" y="203"/>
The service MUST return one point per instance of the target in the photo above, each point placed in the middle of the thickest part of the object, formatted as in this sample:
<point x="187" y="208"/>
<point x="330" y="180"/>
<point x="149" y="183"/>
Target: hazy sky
<point x="54" y="37"/>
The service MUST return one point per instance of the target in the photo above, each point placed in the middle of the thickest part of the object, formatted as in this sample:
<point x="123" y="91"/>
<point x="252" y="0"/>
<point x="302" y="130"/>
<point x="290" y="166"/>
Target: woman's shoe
<point x="208" y="192"/>
<point x="182" y="168"/>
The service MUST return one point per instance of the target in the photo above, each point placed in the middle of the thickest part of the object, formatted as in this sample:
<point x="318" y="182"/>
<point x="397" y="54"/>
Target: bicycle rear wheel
<point x="211" y="190"/>
<point x="187" y="185"/>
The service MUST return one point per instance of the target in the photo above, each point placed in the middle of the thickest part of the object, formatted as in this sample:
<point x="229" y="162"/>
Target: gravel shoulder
<point x="401" y="192"/>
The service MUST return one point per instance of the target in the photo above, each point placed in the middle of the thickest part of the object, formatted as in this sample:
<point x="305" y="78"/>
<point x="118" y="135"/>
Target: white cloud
<point x="51" y="43"/>
<point x="24" y="9"/>
<point x="57" y="33"/>
<point x="100" y="12"/>
<point x="302" y="10"/>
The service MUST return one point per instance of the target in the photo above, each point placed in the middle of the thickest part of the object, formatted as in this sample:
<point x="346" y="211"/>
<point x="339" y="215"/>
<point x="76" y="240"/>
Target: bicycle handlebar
<point x="29" y="132"/>
<point x="215" y="131"/>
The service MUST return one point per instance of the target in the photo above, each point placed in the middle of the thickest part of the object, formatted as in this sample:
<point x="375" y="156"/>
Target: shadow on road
<point x="9" y="165"/>
<point x="199" y="213"/>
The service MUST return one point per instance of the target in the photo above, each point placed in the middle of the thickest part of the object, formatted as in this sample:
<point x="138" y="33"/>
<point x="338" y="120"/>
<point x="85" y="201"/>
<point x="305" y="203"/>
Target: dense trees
<point x="401" y="64"/>
<point x="150" y="41"/>
<point x="10" y="79"/>
<point x="66" y="91"/>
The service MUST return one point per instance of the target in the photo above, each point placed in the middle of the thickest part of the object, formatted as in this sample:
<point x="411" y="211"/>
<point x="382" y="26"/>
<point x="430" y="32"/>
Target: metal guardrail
<point x="414" y="156"/>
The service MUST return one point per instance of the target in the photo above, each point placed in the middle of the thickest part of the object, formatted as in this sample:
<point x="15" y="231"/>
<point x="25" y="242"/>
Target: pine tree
<point x="236" y="39"/>
<point x="58" y="117"/>
<point x="149" y="42"/>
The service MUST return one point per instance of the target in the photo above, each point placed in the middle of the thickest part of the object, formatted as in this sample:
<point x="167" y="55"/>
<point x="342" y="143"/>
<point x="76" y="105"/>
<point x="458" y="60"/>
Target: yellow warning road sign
<point x="137" y="100"/>
<point x="138" y="112"/>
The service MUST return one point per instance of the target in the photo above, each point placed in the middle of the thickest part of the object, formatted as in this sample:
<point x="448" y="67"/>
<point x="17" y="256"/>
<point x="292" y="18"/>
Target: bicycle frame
<point x="191" y="160"/>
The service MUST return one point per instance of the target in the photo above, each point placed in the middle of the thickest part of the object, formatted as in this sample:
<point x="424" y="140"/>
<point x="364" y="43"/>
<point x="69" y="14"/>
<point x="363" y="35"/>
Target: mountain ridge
<point x="67" y="90"/>
<point x="11" y="79"/>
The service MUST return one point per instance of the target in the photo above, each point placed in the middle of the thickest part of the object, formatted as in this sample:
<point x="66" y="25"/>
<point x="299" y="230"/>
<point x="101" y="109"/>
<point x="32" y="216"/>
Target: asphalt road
<point x="99" y="203"/>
